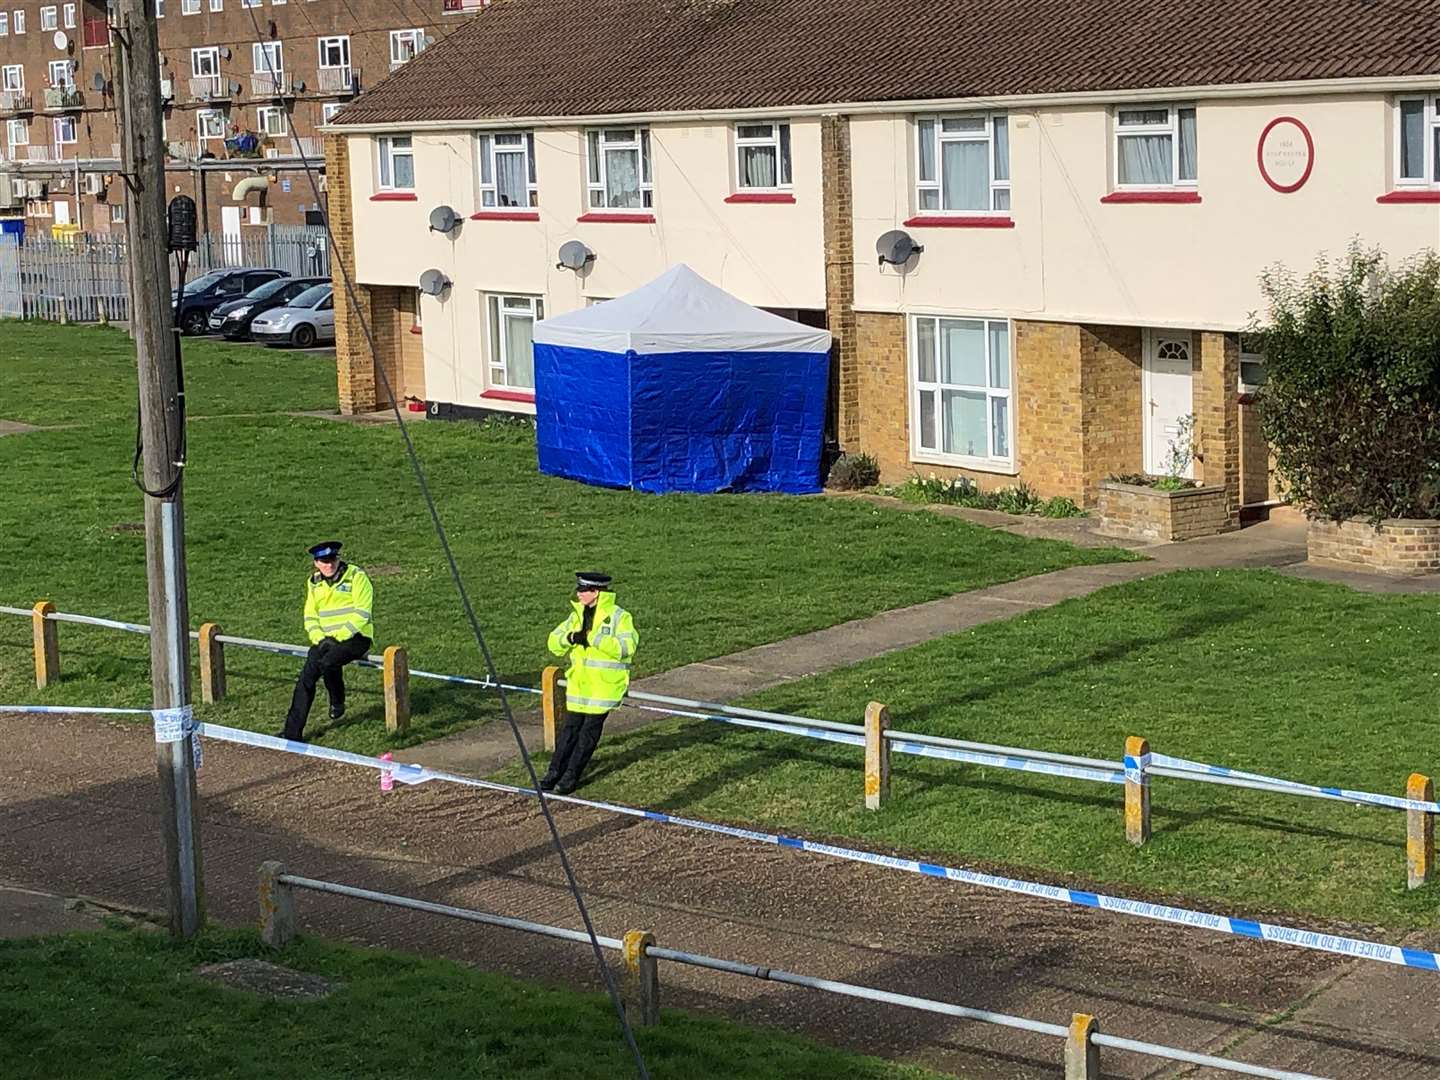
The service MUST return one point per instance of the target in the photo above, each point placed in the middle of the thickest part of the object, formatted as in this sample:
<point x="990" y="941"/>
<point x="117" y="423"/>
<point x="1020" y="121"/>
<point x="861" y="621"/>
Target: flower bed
<point x="1394" y="546"/>
<point x="1148" y="513"/>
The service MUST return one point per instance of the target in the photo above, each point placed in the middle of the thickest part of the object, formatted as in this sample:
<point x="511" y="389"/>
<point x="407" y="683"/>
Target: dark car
<point x="233" y="317"/>
<point x="209" y="291"/>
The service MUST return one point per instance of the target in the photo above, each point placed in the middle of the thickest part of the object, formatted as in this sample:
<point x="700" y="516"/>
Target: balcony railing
<point x="263" y="84"/>
<point x="16" y="101"/>
<point x="60" y="98"/>
<point x="309" y="145"/>
<point x="338" y="80"/>
<point x="40" y="153"/>
<point x="209" y="88"/>
<point x="180" y="150"/>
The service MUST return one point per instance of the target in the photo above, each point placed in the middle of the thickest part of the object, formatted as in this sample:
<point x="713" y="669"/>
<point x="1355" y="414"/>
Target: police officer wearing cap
<point x="338" y="597"/>
<point x="598" y="641"/>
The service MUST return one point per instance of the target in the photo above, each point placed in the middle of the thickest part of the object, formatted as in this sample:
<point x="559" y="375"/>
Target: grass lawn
<point x="704" y="576"/>
<point x="126" y="1005"/>
<point x="1250" y="669"/>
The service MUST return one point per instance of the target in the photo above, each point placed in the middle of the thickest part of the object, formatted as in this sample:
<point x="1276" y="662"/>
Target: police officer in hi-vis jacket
<point x="598" y="641"/>
<point x="338" y="598"/>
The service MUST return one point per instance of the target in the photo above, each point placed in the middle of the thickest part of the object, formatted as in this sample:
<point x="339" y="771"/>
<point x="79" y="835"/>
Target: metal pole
<point x="162" y="420"/>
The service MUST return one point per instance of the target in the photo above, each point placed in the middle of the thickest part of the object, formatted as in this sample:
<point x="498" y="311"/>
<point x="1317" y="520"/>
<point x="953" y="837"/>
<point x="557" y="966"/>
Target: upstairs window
<point x="335" y="52"/>
<point x="12" y="78"/>
<point x="618" y="164"/>
<point x="397" y="163"/>
<point x="405" y="45"/>
<point x="271" y="120"/>
<point x="267" y="56"/>
<point x="507" y="170"/>
<point x="64" y="128"/>
<point x="962" y="164"/>
<point x="69" y="10"/>
<point x="19" y="21"/>
<point x="4" y="23"/>
<point x="62" y="76"/>
<point x="1156" y="147"/>
<point x="1417" y="141"/>
<point x="762" y="157"/>
<point x="49" y="18"/>
<point x="17" y="133"/>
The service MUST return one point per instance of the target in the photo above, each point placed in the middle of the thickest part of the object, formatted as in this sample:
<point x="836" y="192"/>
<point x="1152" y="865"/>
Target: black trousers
<point x="574" y="743"/>
<point x="326" y="667"/>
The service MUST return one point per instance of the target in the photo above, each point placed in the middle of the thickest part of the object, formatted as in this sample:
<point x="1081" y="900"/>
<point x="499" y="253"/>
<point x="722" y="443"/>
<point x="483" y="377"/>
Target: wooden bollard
<point x="47" y="645"/>
<point x="643" y="1000"/>
<point x="1082" y="1057"/>
<point x="552" y="704"/>
<point x="1419" y="832"/>
<point x="877" y="756"/>
<point x="1137" y="790"/>
<point x="397" y="690"/>
<point x="212" y="664"/>
<point x="277" y="906"/>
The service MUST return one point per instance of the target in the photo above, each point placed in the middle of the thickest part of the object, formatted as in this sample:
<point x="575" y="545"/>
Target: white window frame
<point x="18" y="21"/>
<point x="259" y="50"/>
<point x="930" y="193"/>
<point x="343" y="40"/>
<point x="1170" y="128"/>
<point x="12" y="78"/>
<point x="497" y="306"/>
<point x="416" y="39"/>
<point x="117" y="212"/>
<point x="330" y="110"/>
<point x="159" y="9"/>
<point x="1430" y="132"/>
<point x="4" y="24"/>
<point x="250" y="3"/>
<point x="262" y="120"/>
<point x="386" y="151"/>
<point x="778" y="140"/>
<point x="597" y="144"/>
<point x="23" y="127"/>
<point x="1249" y="357"/>
<point x="990" y="461"/>
<point x="201" y="115"/>
<point x="205" y="64"/>
<point x="66" y="72"/>
<point x="217" y="5"/>
<point x="488" y="149"/>
<point x="190" y="7"/>
<point x="68" y="13"/>
<point x="49" y="18"/>
<point x="64" y="123"/>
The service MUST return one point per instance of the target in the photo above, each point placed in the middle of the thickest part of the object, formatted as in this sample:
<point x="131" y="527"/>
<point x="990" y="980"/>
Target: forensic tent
<point x="679" y="386"/>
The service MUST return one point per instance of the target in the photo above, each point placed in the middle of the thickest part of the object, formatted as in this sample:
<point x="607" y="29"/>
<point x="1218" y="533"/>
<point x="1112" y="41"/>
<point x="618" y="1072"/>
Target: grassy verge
<point x="127" y="1006"/>
<point x="1249" y="669"/>
<point x="705" y="576"/>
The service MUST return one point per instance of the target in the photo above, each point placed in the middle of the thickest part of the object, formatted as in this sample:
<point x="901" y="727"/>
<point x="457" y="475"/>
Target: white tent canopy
<point x="679" y="312"/>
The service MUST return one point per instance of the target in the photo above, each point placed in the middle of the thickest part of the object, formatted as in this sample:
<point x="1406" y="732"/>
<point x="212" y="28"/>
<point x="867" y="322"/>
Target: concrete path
<point x="79" y="799"/>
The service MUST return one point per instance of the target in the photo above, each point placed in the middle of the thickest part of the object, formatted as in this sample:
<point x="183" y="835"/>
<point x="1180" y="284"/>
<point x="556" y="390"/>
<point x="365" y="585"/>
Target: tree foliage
<point x="1351" y="399"/>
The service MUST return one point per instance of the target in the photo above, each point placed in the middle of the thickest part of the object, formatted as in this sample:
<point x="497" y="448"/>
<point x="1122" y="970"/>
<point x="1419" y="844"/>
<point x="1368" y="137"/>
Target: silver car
<point x="305" y="321"/>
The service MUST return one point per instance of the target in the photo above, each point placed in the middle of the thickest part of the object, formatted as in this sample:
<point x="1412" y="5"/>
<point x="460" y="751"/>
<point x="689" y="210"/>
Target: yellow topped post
<point x="552" y="703"/>
<point x="47" y="645"/>
<point x="877" y="756"/>
<point x="397" y="690"/>
<point x="1137" y="790"/>
<point x="1419" y="832"/>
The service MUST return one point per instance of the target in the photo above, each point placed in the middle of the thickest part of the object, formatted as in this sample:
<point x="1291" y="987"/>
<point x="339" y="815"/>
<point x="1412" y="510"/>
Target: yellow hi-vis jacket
<point x="597" y="674"/>
<point x="339" y="609"/>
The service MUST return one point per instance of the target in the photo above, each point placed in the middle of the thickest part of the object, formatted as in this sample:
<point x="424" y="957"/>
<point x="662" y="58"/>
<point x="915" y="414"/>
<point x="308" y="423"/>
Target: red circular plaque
<point x="1285" y="154"/>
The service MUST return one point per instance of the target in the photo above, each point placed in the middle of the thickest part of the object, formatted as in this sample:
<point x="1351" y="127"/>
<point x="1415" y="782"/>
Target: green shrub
<point x="1061" y="507"/>
<point x="853" y="472"/>
<point x="961" y="491"/>
<point x="1351" y="399"/>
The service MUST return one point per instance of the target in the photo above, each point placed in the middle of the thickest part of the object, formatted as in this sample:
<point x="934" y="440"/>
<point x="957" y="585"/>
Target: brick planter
<point x="1395" y="546"/>
<point x="1143" y="513"/>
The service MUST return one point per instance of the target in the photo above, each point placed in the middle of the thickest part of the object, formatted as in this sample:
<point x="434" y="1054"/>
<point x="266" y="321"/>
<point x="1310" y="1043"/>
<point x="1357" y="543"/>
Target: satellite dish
<point x="574" y="256"/>
<point x="234" y="87"/>
<point x="897" y="247"/>
<point x="433" y="283"/>
<point x="443" y="219"/>
<point x="98" y="81"/>
<point x="225" y="52"/>
<point x="429" y="40"/>
<point x="61" y="40"/>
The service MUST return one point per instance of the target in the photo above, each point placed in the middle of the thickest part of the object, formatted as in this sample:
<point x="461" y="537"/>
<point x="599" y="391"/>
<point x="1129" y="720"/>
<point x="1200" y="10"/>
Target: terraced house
<point x="1090" y="192"/>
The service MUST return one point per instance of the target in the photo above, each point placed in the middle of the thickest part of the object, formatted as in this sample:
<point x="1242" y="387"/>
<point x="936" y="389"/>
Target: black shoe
<point x="567" y="784"/>
<point x="547" y="782"/>
<point x="337" y="711"/>
<point x="292" y="738"/>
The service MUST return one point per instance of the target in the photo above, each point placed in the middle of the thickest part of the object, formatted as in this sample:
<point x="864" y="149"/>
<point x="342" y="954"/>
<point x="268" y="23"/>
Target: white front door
<point x="230" y="235"/>
<point x="1167" y="395"/>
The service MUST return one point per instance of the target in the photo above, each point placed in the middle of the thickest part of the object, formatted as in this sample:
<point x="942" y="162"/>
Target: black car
<point x="232" y="318"/>
<point x="209" y="291"/>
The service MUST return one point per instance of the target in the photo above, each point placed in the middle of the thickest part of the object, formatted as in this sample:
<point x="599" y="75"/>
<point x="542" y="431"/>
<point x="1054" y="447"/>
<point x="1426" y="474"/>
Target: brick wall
<point x="397" y="347"/>
<point x="1396" y="546"/>
<point x="881" y="410"/>
<point x="1146" y="514"/>
<point x="839" y="232"/>
<point x="354" y="368"/>
<point x="1217" y="415"/>
<point x="1112" y="422"/>
<point x="1048" y="394"/>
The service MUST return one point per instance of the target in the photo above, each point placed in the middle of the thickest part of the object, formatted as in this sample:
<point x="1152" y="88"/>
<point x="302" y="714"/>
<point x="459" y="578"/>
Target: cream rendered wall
<point x="769" y="255"/>
<point x="1071" y="258"/>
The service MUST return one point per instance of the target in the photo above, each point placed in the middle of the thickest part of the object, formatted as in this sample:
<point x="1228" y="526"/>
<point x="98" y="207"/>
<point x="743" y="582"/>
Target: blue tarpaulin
<point x="679" y="386"/>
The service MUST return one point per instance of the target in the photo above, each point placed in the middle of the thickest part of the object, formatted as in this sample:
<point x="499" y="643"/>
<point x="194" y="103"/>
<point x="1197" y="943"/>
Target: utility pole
<point x="162" y="423"/>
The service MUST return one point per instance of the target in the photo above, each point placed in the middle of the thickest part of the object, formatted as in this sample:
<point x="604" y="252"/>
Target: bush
<point x="961" y="491"/>
<point x="1351" y="399"/>
<point x="851" y="472"/>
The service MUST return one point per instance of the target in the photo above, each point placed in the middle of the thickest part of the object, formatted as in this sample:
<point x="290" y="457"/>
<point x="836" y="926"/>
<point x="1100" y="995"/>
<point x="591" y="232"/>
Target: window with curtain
<point x="962" y="164"/>
<point x="961" y="399"/>
<point x="1417" y="141"/>
<point x="762" y="156"/>
<point x="512" y="333"/>
<point x="507" y="170"/>
<point x="618" y="167"/>
<point x="397" y="163"/>
<point x="1156" y="147"/>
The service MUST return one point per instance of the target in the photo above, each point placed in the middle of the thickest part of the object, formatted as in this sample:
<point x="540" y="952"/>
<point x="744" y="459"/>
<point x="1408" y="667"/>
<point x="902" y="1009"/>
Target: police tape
<point x="1244" y="928"/>
<point x="74" y="709"/>
<point x="1369" y="798"/>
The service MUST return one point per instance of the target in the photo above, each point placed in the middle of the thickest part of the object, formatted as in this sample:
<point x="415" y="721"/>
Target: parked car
<point x="233" y="317"/>
<point x="209" y="291"/>
<point x="307" y="319"/>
